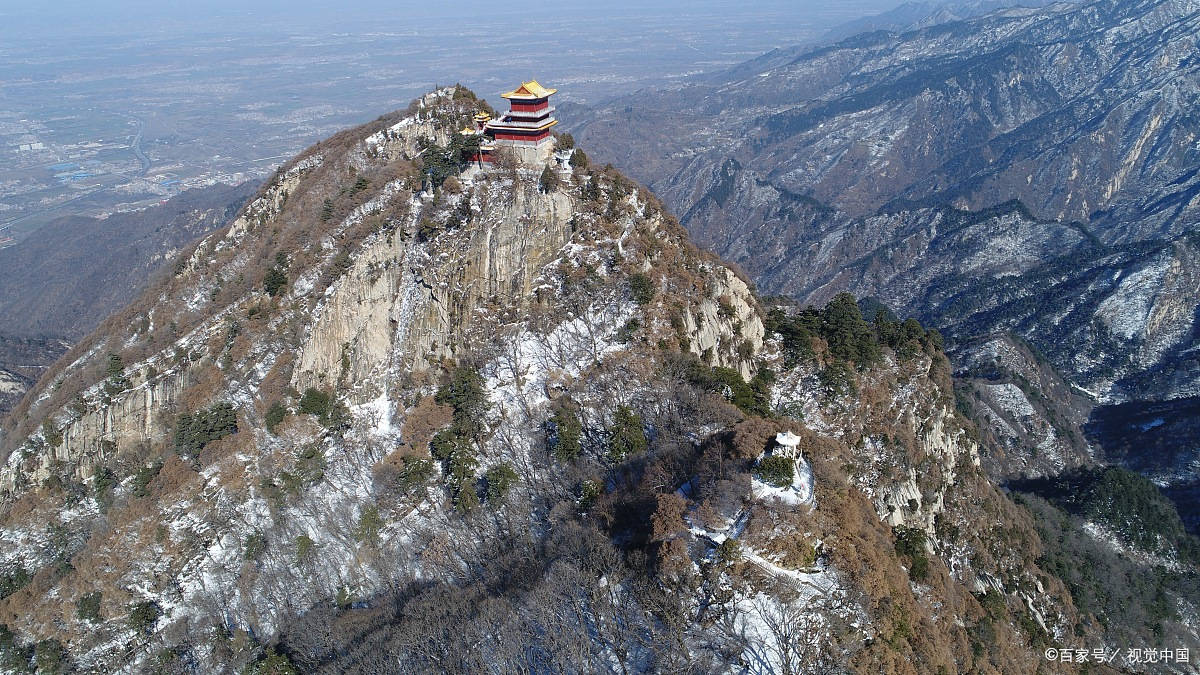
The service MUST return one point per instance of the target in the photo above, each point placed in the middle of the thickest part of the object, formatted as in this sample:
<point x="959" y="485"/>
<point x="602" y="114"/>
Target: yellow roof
<point x="530" y="89"/>
<point x="482" y="116"/>
<point x="467" y="131"/>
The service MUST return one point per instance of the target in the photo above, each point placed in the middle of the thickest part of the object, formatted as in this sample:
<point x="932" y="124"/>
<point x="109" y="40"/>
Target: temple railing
<point x="518" y="124"/>
<point x="548" y="110"/>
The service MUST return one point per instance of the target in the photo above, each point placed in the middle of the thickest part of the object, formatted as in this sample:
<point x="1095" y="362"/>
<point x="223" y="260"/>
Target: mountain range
<point x="1027" y="174"/>
<point x="57" y="286"/>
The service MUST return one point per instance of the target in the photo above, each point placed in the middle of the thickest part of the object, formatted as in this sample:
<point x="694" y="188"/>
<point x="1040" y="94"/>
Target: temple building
<point x="526" y="126"/>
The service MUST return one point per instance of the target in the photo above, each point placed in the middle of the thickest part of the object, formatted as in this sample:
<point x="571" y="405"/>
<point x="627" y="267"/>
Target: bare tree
<point x="806" y="630"/>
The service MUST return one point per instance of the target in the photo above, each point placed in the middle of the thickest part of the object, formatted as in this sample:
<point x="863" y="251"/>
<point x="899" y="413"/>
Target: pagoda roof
<point x="787" y="439"/>
<point x="481" y="115"/>
<point x="467" y="131"/>
<point x="531" y="90"/>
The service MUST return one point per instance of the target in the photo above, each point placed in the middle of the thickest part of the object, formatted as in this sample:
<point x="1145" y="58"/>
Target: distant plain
<point x="116" y="106"/>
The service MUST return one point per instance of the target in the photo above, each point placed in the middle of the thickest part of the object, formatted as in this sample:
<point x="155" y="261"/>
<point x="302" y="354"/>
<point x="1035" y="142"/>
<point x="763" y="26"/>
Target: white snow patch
<point x="1011" y="399"/>
<point x="9" y="384"/>
<point x="1112" y="539"/>
<point x="304" y="285"/>
<point x="1127" y="310"/>
<point x="378" y="416"/>
<point x="520" y="375"/>
<point x="799" y="492"/>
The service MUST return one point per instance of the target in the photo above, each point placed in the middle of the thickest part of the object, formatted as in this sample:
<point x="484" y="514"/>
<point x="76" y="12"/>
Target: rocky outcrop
<point x="406" y="306"/>
<point x="731" y="315"/>
<point x="912" y="447"/>
<point x="136" y="418"/>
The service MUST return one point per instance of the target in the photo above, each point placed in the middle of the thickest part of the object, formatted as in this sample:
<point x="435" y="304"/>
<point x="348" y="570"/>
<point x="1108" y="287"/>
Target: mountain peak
<point x="350" y="266"/>
<point x="401" y="383"/>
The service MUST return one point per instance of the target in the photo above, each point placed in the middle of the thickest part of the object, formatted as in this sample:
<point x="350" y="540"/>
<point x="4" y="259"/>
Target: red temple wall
<point x="530" y="107"/>
<point x="503" y="136"/>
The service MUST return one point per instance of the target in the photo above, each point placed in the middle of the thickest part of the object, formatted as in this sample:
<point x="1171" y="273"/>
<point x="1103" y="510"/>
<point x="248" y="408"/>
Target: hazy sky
<point x="72" y="17"/>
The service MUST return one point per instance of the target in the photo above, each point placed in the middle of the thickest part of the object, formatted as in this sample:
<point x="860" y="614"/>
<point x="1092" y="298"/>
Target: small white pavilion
<point x="789" y="445"/>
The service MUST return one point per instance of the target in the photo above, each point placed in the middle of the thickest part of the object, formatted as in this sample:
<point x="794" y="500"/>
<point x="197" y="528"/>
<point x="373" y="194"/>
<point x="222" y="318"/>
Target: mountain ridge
<point x="56" y="287"/>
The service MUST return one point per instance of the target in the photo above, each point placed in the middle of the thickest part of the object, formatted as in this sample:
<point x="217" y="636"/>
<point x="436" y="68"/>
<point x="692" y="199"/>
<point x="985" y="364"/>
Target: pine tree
<point x="274" y="281"/>
<point x="549" y="181"/>
<point x="499" y="479"/>
<point x="115" y="379"/>
<point x="849" y="336"/>
<point x="275" y="416"/>
<point x="566" y="430"/>
<point x="626" y="436"/>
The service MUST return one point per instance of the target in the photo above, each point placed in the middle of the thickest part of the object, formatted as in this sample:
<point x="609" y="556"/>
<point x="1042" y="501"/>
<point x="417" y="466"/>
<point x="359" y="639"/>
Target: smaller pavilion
<point x="788" y="445"/>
